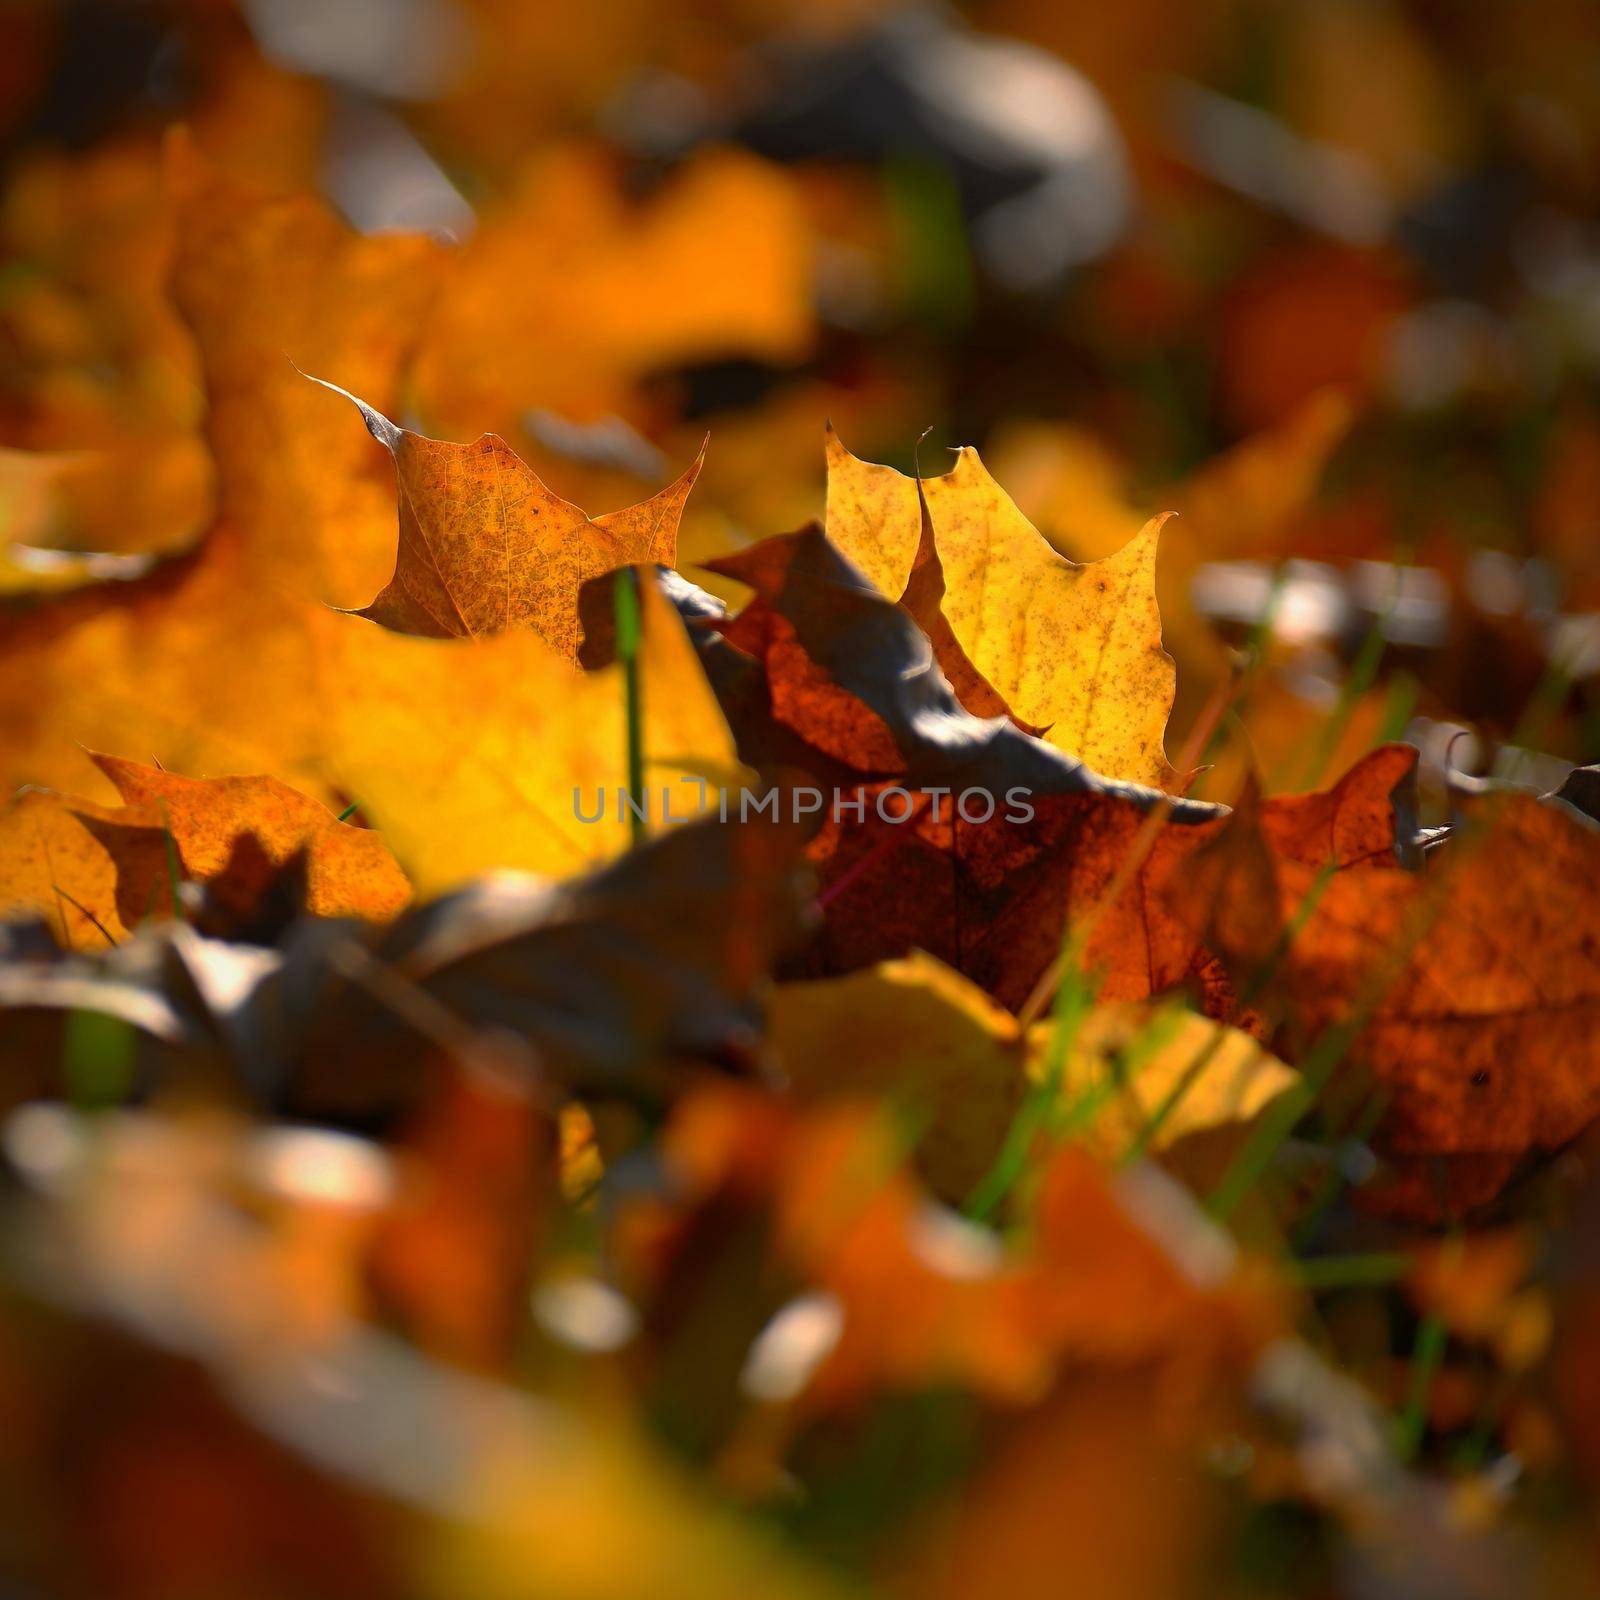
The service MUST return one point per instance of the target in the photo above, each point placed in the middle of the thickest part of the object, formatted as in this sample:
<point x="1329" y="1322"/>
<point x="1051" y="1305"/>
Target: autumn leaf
<point x="924" y="599"/>
<point x="1075" y="650"/>
<point x="873" y="518"/>
<point x="914" y="1029"/>
<point x="444" y="1155"/>
<point x="881" y="522"/>
<point x="848" y="677"/>
<point x="1468" y="990"/>
<point x="204" y="662"/>
<point x="1141" y="943"/>
<point x="852" y="674"/>
<point x="99" y="871"/>
<point x="475" y="754"/>
<point x="468" y="754"/>
<point x="349" y="870"/>
<point x="485" y="546"/>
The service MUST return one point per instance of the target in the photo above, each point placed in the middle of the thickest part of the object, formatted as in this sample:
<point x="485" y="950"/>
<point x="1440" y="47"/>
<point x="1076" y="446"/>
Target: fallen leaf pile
<point x="813" y="1025"/>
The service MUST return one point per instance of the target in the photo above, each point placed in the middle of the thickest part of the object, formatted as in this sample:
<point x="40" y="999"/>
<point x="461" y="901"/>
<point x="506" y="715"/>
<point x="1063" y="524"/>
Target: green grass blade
<point x="1369" y="1270"/>
<point x="1073" y="998"/>
<point x="1426" y="1358"/>
<point x="625" y="594"/>
<point x="97" y="1059"/>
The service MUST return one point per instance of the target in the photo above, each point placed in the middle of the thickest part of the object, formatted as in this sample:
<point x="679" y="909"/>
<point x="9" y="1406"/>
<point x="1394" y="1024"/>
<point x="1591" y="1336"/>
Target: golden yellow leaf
<point x="472" y="754"/>
<point x="100" y="376"/>
<point x="205" y="664"/>
<point x="872" y="516"/>
<point x="1075" y="650"/>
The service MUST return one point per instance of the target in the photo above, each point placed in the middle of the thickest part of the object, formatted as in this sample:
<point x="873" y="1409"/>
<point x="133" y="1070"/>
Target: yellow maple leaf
<point x="479" y="753"/>
<point x="1073" y="649"/>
